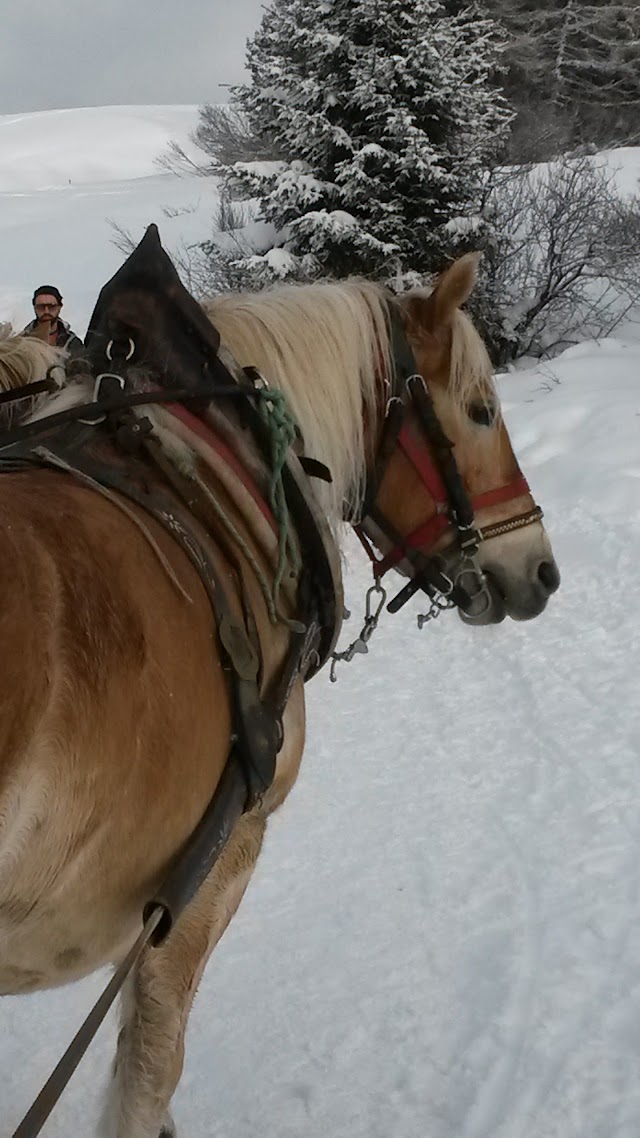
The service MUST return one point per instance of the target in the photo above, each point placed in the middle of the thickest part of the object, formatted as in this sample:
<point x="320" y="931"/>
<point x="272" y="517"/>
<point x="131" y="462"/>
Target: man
<point x="47" y="325"/>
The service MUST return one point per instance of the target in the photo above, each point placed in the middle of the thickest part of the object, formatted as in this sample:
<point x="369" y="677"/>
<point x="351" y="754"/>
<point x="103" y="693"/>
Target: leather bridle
<point x="420" y="437"/>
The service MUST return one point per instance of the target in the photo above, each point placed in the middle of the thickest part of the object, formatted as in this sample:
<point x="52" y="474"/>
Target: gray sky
<point x="78" y="53"/>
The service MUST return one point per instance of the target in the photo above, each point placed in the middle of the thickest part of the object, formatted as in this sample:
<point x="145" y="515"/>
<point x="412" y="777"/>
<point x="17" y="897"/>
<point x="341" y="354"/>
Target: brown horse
<point x="116" y="715"/>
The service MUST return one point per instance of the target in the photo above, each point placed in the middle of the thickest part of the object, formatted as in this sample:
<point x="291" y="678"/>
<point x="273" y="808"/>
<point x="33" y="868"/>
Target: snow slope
<point x="65" y="174"/>
<point x="442" y="937"/>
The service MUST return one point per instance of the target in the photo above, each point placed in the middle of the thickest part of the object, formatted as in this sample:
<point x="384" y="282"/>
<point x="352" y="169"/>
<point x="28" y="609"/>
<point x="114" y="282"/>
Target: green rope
<point x="282" y="429"/>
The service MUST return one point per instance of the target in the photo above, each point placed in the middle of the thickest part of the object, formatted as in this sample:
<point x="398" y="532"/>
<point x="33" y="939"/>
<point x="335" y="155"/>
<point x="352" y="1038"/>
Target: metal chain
<point x="440" y="602"/>
<point x="360" y="646"/>
<point x="469" y="570"/>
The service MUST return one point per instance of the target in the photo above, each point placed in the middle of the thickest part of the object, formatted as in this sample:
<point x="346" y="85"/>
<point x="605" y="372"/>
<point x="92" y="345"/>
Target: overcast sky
<point x="80" y="53"/>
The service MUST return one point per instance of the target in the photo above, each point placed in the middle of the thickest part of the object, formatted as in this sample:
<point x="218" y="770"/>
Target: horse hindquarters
<point x="135" y="724"/>
<point x="114" y="724"/>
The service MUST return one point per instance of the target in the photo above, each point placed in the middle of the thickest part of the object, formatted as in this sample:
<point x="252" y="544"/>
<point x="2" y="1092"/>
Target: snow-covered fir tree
<point x="382" y="117"/>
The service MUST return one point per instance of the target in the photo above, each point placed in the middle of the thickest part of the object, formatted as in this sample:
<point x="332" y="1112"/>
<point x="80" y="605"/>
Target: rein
<point x="97" y="411"/>
<point x="28" y="390"/>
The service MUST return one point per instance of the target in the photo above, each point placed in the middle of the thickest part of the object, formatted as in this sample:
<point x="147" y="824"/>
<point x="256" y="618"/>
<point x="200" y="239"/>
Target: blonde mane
<point x="24" y="359"/>
<point x="326" y="346"/>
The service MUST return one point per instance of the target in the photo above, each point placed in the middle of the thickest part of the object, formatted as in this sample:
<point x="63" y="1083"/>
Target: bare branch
<point x="566" y="261"/>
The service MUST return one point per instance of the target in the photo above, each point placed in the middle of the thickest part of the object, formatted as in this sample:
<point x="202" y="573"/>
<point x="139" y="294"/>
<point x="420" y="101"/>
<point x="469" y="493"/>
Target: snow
<point x="65" y="174"/>
<point x="625" y="163"/>
<point x="51" y="149"/>
<point x="442" y="936"/>
<point x="279" y="261"/>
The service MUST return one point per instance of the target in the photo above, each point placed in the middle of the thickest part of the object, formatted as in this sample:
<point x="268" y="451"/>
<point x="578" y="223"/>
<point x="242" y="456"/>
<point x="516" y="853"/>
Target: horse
<point x="117" y="716"/>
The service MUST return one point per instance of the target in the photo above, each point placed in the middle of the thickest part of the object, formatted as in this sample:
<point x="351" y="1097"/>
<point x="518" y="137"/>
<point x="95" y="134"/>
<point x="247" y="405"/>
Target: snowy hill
<point x="65" y="174"/>
<point x="48" y="150"/>
<point x="442" y="937"/>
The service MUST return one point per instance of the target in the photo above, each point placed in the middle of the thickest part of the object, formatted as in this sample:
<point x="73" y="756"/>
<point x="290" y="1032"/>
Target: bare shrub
<point x="224" y="133"/>
<point x="566" y="259"/>
<point x="224" y="136"/>
<point x="205" y="267"/>
<point x="121" y="237"/>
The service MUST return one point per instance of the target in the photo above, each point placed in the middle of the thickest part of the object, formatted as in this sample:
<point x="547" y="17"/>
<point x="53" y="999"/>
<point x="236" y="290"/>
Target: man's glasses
<point x="44" y="307"/>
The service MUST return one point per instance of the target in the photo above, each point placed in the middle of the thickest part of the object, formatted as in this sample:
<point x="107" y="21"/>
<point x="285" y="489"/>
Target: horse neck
<point x="325" y="346"/>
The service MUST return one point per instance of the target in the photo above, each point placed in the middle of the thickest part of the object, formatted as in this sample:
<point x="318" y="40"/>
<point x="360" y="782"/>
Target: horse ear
<point x="454" y="286"/>
<point x="429" y="312"/>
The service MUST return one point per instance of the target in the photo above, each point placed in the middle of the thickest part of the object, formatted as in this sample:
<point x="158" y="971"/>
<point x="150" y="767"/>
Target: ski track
<point x="493" y="1113"/>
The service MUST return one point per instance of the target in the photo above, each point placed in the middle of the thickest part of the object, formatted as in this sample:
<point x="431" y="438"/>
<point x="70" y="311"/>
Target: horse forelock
<point x="326" y="346"/>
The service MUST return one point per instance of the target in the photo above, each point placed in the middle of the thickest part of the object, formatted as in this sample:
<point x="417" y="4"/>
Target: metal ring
<point x="109" y="353"/>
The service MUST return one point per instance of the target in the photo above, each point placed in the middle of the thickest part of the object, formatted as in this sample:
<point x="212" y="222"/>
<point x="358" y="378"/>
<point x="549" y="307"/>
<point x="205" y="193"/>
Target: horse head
<point x="450" y="506"/>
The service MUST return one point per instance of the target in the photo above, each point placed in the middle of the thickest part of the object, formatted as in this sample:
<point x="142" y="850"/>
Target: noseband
<point x="431" y="453"/>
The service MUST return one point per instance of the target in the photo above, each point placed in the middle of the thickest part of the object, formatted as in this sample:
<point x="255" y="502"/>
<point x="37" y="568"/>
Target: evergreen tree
<point x="381" y="117"/>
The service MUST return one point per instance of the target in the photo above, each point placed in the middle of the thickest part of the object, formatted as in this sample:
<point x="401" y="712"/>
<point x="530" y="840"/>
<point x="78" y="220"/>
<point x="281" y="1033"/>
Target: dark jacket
<point x="66" y="338"/>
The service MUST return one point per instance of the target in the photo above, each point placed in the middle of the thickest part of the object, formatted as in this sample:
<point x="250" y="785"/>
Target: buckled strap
<point x="428" y="575"/>
<point x="456" y="494"/>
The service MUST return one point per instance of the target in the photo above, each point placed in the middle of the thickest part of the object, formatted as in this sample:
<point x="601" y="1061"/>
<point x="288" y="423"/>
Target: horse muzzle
<point x="507" y="593"/>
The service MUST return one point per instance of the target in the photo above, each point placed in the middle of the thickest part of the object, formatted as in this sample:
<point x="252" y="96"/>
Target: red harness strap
<point x="514" y="489"/>
<point x="415" y="450"/>
<point x="209" y="436"/>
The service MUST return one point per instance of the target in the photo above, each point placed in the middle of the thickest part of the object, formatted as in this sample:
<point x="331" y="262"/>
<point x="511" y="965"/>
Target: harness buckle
<point x="99" y="394"/>
<point x="469" y="539"/>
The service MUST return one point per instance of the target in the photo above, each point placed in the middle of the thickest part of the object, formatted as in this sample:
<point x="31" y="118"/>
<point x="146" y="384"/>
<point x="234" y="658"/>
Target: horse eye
<point x="483" y="414"/>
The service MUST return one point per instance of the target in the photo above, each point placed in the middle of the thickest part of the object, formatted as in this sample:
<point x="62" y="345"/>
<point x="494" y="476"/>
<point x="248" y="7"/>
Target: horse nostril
<point x="548" y="576"/>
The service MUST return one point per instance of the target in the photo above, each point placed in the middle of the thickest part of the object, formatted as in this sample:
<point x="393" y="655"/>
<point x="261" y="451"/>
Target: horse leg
<point x="157" y="1002"/>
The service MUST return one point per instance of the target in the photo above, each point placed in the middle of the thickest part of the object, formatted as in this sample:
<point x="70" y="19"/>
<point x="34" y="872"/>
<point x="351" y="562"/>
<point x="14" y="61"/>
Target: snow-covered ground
<point x="442" y="939"/>
<point x="64" y="175"/>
